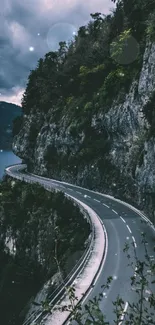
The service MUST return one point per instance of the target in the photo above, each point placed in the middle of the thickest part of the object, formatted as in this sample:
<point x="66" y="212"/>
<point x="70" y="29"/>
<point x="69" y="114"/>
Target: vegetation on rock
<point x="8" y="112"/>
<point x="84" y="76"/>
<point x="82" y="66"/>
<point x="32" y="221"/>
<point x="81" y="111"/>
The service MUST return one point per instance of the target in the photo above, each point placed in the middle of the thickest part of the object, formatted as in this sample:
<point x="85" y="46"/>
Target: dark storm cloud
<point x="20" y="23"/>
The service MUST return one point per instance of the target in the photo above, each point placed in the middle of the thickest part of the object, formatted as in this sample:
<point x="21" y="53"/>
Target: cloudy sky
<point x="31" y="28"/>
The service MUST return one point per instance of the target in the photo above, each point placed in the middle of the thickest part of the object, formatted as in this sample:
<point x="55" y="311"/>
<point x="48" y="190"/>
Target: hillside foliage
<point x="85" y="75"/>
<point x="82" y="66"/>
<point x="29" y="217"/>
<point x="8" y="113"/>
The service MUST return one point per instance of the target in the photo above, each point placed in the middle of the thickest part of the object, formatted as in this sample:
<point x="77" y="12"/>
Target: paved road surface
<point x="122" y="225"/>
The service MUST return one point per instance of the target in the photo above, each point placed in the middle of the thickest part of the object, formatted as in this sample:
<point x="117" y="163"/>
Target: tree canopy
<point x="58" y="75"/>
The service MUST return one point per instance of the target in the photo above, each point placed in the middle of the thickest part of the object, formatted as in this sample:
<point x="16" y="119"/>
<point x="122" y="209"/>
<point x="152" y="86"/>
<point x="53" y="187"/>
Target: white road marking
<point x="106" y="205"/>
<point x="86" y="296"/>
<point x="97" y="200"/>
<point x="78" y="192"/>
<point x="135" y="273"/>
<point x="122" y="219"/>
<point x="70" y="189"/>
<point x="123" y="314"/>
<point x="129" y="229"/>
<point x="133" y="238"/>
<point x="124" y="203"/>
<point x="89" y="196"/>
<point x="105" y="255"/>
<point x="101" y="194"/>
<point x="114" y="211"/>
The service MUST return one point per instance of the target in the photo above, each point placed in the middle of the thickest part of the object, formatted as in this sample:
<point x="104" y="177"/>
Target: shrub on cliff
<point x="17" y="124"/>
<point x="32" y="221"/>
<point x="99" y="48"/>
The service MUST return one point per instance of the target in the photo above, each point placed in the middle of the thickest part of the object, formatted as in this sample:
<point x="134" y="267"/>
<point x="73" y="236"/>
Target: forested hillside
<point x="8" y="113"/>
<point x="89" y="108"/>
<point x="33" y="235"/>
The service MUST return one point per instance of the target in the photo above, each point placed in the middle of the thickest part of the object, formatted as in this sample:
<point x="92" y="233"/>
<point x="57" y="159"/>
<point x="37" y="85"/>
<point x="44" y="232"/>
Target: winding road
<point x="123" y="224"/>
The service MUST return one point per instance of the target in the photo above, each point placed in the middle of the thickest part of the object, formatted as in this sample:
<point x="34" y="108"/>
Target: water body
<point x="7" y="158"/>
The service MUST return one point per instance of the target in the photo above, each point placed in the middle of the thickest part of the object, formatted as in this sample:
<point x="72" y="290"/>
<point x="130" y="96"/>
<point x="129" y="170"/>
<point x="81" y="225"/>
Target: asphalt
<point x="123" y="225"/>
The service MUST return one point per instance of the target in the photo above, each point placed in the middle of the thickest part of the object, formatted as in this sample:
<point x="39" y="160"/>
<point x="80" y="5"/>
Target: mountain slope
<point x="89" y="108"/>
<point x="8" y="112"/>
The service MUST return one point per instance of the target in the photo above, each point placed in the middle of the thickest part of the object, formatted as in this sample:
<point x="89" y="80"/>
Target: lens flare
<point x="60" y="32"/>
<point x="124" y="51"/>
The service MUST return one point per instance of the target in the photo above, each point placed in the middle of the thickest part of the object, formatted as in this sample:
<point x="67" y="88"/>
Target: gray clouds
<point x="39" y="24"/>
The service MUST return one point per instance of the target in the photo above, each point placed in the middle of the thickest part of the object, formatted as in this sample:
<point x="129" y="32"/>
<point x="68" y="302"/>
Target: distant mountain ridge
<point x="8" y="112"/>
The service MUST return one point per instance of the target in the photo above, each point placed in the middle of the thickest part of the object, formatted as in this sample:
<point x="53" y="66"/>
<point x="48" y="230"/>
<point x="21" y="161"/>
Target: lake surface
<point x="7" y="158"/>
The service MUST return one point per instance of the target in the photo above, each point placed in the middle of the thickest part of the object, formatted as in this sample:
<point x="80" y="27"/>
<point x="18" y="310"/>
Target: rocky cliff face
<point x="126" y="169"/>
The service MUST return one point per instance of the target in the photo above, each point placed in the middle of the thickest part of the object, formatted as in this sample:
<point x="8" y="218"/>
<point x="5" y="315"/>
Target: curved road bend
<point x="122" y="225"/>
